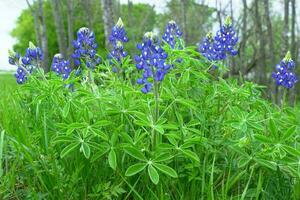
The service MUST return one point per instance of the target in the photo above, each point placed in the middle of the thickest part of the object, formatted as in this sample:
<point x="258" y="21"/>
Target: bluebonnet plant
<point x="172" y="33"/>
<point x="222" y="44"/>
<point x="61" y="66"/>
<point x="284" y="74"/>
<point x="26" y="64"/>
<point x="152" y="62"/>
<point x="117" y="38"/>
<point x="85" y="48"/>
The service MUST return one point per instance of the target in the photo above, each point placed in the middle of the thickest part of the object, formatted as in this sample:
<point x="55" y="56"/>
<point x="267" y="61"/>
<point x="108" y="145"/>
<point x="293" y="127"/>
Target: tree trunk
<point x="244" y="37"/>
<point x="261" y="67"/>
<point x="86" y="4"/>
<point x="36" y="24"/>
<point x="271" y="48"/>
<point x="285" y="45"/>
<point x="60" y="29"/>
<point x="293" y="48"/>
<point x="44" y="40"/>
<point x="184" y="6"/>
<point x="108" y="18"/>
<point x="70" y="16"/>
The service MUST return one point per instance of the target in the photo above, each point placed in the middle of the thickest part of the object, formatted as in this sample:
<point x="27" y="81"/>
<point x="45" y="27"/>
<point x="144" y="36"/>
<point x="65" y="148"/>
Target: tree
<point x="108" y="18"/>
<point x="60" y="29"/>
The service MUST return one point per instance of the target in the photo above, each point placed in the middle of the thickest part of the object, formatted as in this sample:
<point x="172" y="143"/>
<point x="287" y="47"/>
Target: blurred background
<point x="267" y="29"/>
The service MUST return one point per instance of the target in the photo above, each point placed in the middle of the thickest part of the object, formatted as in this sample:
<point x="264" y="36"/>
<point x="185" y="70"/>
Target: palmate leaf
<point x="263" y="139"/>
<point x="66" y="109"/>
<point x="134" y="169"/>
<point x="191" y="155"/>
<point x="166" y="170"/>
<point x="112" y="159"/>
<point x="85" y="149"/>
<point x="287" y="134"/>
<point x="135" y="153"/>
<point x="68" y="149"/>
<point x="154" y="176"/>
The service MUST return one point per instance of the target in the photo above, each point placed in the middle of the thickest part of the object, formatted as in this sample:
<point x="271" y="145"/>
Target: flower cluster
<point x="27" y="63"/>
<point x="61" y="66"/>
<point x="117" y="38"/>
<point x="172" y="33"/>
<point x="152" y="61"/>
<point x="33" y="55"/>
<point x="284" y="74"/>
<point x="85" y="48"/>
<point x="221" y="45"/>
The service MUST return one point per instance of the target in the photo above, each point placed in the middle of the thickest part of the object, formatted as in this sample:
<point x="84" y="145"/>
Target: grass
<point x="7" y="84"/>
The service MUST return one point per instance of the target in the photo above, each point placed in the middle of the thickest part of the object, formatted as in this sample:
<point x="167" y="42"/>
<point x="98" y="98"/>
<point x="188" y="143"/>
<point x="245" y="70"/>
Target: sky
<point x="11" y="9"/>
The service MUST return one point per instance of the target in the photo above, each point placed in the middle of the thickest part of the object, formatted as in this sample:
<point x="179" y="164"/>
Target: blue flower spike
<point x="220" y="46"/>
<point x="85" y="48"/>
<point x="118" y="38"/>
<point x="152" y="62"/>
<point x="172" y="33"/>
<point x="61" y="66"/>
<point x="284" y="74"/>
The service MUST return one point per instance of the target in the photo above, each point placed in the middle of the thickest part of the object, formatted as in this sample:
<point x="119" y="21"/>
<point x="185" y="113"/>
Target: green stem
<point x="283" y="103"/>
<point x="155" y="139"/>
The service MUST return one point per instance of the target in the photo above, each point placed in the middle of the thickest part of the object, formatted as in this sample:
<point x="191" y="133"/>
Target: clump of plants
<point x="156" y="126"/>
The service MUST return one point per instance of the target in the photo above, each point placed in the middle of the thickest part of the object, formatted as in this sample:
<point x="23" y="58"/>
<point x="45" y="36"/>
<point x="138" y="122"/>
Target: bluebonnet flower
<point x="85" y="48"/>
<point x="172" y="33"/>
<point x="33" y="55"/>
<point x="13" y="57"/>
<point x="117" y="38"/>
<point x="61" y="66"/>
<point x="152" y="62"/>
<point x="225" y="39"/>
<point x="206" y="48"/>
<point x="21" y="75"/>
<point x="218" y="47"/>
<point x="284" y="74"/>
<point x="25" y="65"/>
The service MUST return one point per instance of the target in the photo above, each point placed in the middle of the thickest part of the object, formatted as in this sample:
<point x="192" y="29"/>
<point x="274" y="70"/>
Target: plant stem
<point x="155" y="139"/>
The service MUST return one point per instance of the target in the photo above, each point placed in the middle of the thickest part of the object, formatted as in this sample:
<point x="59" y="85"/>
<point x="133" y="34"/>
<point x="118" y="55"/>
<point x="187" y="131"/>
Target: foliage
<point x="213" y="138"/>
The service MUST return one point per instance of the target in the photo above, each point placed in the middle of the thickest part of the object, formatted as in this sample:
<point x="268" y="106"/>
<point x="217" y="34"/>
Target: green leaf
<point x="287" y="134"/>
<point x="163" y="157"/>
<point x="166" y="169"/>
<point x="86" y="149"/>
<point x="243" y="161"/>
<point x="101" y="123"/>
<point x="191" y="155"/>
<point x="159" y="129"/>
<point x="68" y="149"/>
<point x="153" y="174"/>
<point x="292" y="151"/>
<point x="62" y="138"/>
<point x="112" y="159"/>
<point x="263" y="139"/>
<point x="269" y="164"/>
<point x="1" y="151"/>
<point x="101" y="151"/>
<point x="273" y="127"/>
<point x="66" y="109"/>
<point x="134" y="169"/>
<point x="135" y="153"/>
<point x="99" y="133"/>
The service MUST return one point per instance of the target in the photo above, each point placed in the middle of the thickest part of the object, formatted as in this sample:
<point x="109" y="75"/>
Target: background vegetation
<point x="220" y="136"/>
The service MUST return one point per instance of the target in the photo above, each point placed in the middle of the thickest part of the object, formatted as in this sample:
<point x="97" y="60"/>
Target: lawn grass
<point x="7" y="84"/>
